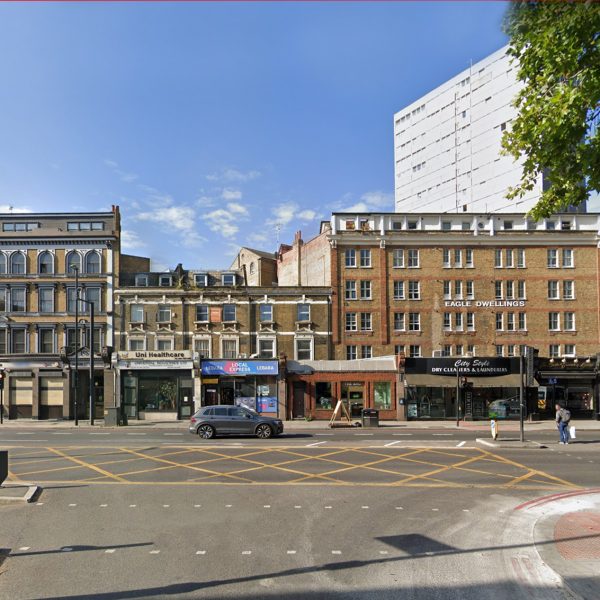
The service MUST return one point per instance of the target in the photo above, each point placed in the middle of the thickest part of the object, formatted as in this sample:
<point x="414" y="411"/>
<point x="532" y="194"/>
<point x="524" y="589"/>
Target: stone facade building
<point x="39" y="256"/>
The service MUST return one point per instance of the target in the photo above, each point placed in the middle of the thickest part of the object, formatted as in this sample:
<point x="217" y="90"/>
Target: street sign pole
<point x="1" y="397"/>
<point x="92" y="387"/>
<point x="521" y="398"/>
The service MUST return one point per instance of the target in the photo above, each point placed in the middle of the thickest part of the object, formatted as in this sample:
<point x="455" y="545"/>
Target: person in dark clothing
<point x="563" y="416"/>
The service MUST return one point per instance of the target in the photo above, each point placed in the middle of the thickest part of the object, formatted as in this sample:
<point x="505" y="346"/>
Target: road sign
<point x="552" y="381"/>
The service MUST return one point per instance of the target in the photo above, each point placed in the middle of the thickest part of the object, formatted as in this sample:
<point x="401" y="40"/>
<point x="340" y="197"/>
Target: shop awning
<point x="479" y="382"/>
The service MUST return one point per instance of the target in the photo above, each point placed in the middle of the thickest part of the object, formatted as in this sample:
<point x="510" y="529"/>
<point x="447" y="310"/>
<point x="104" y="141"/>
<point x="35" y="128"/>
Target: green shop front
<point x="156" y="385"/>
<point x="250" y="383"/>
<point x="484" y="387"/>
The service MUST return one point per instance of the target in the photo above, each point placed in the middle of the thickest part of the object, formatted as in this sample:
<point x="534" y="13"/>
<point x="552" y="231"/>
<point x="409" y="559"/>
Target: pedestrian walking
<point x="563" y="416"/>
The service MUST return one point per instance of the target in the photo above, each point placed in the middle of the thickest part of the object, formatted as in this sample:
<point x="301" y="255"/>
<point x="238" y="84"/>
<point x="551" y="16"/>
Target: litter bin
<point x="370" y="417"/>
<point x="111" y="417"/>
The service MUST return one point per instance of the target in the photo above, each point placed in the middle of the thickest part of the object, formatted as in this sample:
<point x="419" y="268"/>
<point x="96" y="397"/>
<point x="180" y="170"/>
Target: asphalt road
<point x="308" y="516"/>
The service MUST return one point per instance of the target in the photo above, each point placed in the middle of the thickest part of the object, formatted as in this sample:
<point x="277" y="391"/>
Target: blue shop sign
<point x="240" y="367"/>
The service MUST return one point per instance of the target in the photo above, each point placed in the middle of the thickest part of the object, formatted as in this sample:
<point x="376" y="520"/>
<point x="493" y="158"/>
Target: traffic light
<point x="2" y="380"/>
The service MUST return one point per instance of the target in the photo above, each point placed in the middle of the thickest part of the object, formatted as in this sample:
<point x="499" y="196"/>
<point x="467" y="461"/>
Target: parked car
<point x="210" y="421"/>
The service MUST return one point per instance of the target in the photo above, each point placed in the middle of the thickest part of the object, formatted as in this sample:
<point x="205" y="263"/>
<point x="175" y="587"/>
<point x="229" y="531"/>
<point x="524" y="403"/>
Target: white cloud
<point x="368" y="202"/>
<point x="307" y="215"/>
<point x="257" y="238"/>
<point x="9" y="208"/>
<point x="358" y="207"/>
<point x="206" y="202"/>
<point x="130" y="240"/>
<point x="231" y="194"/>
<point x="234" y="175"/>
<point x="221" y="221"/>
<point x="176" y="217"/>
<point x="237" y="209"/>
<point x="285" y="213"/>
<point x="378" y="199"/>
<point x="123" y="175"/>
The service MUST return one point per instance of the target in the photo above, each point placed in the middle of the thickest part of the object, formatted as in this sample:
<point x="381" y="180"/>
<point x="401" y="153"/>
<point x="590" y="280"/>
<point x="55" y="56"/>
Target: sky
<point x="218" y="125"/>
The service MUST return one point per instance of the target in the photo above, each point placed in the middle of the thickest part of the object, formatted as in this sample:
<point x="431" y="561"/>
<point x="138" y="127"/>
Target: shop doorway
<point x="83" y="395"/>
<point x="353" y="395"/>
<point x="298" y="400"/>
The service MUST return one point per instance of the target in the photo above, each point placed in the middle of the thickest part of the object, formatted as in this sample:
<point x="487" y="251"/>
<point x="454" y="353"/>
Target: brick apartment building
<point x="39" y="254"/>
<point x="460" y="285"/>
<point x="189" y="338"/>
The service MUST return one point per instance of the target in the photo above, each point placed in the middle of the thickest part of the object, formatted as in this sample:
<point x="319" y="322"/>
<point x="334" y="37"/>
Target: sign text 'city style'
<point x="476" y="367"/>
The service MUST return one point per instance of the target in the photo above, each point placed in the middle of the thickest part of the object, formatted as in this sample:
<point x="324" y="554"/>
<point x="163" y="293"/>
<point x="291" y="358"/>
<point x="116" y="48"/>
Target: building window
<point x="510" y="290"/>
<point x="414" y="290"/>
<point x="201" y="279"/>
<point x="399" y="321"/>
<point x="412" y="225"/>
<point x="202" y="347"/>
<point x="17" y="263"/>
<point x="46" y="341"/>
<point x="470" y="290"/>
<point x="522" y="321"/>
<point x="568" y="290"/>
<point x="303" y="312"/>
<point x="19" y="341"/>
<point x="521" y="290"/>
<point x="92" y="294"/>
<point x="520" y="258"/>
<point x="164" y="313"/>
<point x="365" y="258"/>
<point x="414" y="351"/>
<point x="252" y="268"/>
<point x="498" y="290"/>
<point x="498" y="258"/>
<point x="73" y="262"/>
<point x="414" y="321"/>
<point x="351" y="322"/>
<point x="304" y="349"/>
<point x="228" y="279"/>
<point x="366" y="351"/>
<point x="459" y="350"/>
<point x="229" y="348"/>
<point x="447" y="321"/>
<point x="164" y="344"/>
<point x="458" y="258"/>
<point x="229" y="313"/>
<point x="446" y="350"/>
<point x="470" y="321"/>
<point x="447" y="290"/>
<point x="266" y="348"/>
<point x="266" y="313"/>
<point x="2" y="263"/>
<point x="458" y="321"/>
<point x="71" y="294"/>
<point x="465" y="226"/>
<point x="45" y="263"/>
<point x="510" y="321"/>
<point x="553" y="321"/>
<point x="366" y="322"/>
<point x="165" y="281"/>
<point x="413" y="258"/>
<point x="567" y="258"/>
<point x="458" y="289"/>
<point x="553" y="290"/>
<point x="350" y="257"/>
<point x="92" y="262"/>
<point x="17" y="300"/>
<point x="552" y="258"/>
<point x="569" y="321"/>
<point x="351" y="352"/>
<point x="446" y="225"/>
<point x="202" y="313"/>
<point x="141" y="280"/>
<point x="137" y="313"/>
<point x="509" y="258"/>
<point x="569" y="350"/>
<point x="398" y="258"/>
<point x="19" y="226"/>
<point x="399" y="349"/>
<point x="507" y="225"/>
<point x="499" y="321"/>
<point x="350" y="290"/>
<point x="469" y="258"/>
<point x="499" y="350"/>
<point x="365" y="290"/>
<point x="554" y="350"/>
<point x="510" y="350"/>
<point x="446" y="258"/>
<point x="398" y="290"/>
<point x="46" y="300"/>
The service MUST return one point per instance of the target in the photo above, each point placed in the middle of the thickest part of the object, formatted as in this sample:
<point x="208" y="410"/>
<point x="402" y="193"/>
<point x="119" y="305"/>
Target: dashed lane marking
<point x="110" y="551"/>
<point x="291" y="552"/>
<point x="401" y="434"/>
<point x="24" y="548"/>
<point x="201" y="552"/>
<point x="336" y="552"/>
<point x="460" y="444"/>
<point x="391" y="443"/>
<point x="443" y="434"/>
<point x="154" y="551"/>
<point x="246" y="552"/>
<point x="315" y="444"/>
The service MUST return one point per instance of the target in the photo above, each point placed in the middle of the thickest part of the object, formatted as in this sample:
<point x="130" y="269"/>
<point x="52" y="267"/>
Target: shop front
<point x="250" y="383"/>
<point x="156" y="385"/>
<point x="315" y="387"/>
<point x="484" y="387"/>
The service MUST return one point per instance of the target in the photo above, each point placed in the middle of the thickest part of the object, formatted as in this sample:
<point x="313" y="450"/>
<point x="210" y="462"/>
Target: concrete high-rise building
<point x="447" y="144"/>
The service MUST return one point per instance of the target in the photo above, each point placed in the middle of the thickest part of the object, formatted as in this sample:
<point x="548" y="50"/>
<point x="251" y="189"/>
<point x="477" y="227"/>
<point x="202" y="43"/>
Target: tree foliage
<point x="557" y="130"/>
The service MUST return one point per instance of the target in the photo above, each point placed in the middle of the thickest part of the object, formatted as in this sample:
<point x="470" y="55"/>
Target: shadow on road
<point x="77" y="548"/>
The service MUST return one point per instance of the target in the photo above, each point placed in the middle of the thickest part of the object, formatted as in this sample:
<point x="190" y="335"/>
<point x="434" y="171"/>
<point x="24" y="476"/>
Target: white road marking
<point x="391" y="443"/>
<point x="246" y="552"/>
<point x="202" y="552"/>
<point x="99" y="433"/>
<point x="154" y="551"/>
<point x="383" y="552"/>
<point x="197" y="505"/>
<point x="328" y="507"/>
<point x="364" y="507"/>
<point x="315" y="444"/>
<point x="291" y="552"/>
<point x="25" y="433"/>
<point x="435" y="509"/>
<point x="132" y="505"/>
<point x="443" y="434"/>
<point x="39" y="504"/>
<point x="166" y="505"/>
<point x="399" y="508"/>
<point x="486" y="443"/>
<point x="103" y="505"/>
<point x="466" y="510"/>
<point x="59" y="433"/>
<point x="460" y="444"/>
<point x="228" y="505"/>
<point x="135" y="434"/>
<point x="110" y="551"/>
<point x="266" y="506"/>
<point x="323" y="433"/>
<point x="363" y="434"/>
<point x="297" y="506"/>
<point x="401" y="433"/>
<point x="24" y="548"/>
<point x="336" y="552"/>
<point x="172" y="433"/>
<point x="72" y="504"/>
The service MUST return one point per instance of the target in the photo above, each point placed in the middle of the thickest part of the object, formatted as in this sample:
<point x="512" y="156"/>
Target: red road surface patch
<point x="584" y="524"/>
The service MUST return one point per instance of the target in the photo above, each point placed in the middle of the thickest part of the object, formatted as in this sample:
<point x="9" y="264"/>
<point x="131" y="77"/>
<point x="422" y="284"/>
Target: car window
<point x="236" y="411"/>
<point x="220" y="411"/>
<point x="207" y="412"/>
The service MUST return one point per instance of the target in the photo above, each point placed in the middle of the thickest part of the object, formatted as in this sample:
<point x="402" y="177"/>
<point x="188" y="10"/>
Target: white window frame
<point x="311" y="341"/>
<point x="136" y="339"/>
<point x="162" y="339"/>
<point x="272" y="340"/>
<point x="399" y="286"/>
<point x="350" y="290"/>
<point x="229" y="339"/>
<point x="203" y="339"/>
<point x="398" y="258"/>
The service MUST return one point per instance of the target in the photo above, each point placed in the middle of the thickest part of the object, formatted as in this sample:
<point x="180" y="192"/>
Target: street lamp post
<point x="92" y="389"/>
<point x="76" y="377"/>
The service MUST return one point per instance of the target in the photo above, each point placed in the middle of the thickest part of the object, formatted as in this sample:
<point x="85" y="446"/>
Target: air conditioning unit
<point x="437" y="354"/>
<point x="242" y="355"/>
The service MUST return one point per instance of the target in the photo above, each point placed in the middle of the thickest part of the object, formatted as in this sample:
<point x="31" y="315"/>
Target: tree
<point x="557" y="48"/>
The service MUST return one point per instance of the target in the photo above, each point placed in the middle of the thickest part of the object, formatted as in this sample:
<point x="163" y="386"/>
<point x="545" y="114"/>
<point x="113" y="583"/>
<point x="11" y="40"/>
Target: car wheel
<point x="206" y="432"/>
<point x="264" y="431"/>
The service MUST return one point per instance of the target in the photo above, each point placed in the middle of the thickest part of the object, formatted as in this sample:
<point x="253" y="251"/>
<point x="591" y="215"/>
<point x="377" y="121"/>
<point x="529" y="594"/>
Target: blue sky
<point x="218" y="125"/>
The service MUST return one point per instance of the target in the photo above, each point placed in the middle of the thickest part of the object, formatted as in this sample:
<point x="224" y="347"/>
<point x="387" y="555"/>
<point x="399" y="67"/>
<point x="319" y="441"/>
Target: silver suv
<point x="210" y="421"/>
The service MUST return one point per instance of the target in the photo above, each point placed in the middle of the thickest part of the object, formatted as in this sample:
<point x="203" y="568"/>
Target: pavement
<point x="391" y="513"/>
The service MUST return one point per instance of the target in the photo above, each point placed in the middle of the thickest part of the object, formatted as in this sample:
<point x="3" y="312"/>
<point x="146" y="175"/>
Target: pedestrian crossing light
<point x="1" y="380"/>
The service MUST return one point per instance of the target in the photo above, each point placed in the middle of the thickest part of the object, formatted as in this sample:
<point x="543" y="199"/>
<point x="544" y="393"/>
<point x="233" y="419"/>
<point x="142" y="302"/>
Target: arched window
<point x="73" y="260"/>
<point x="17" y="262"/>
<point x="2" y="262"/>
<point x="46" y="263"/>
<point x="251" y="268"/>
<point x="92" y="262"/>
